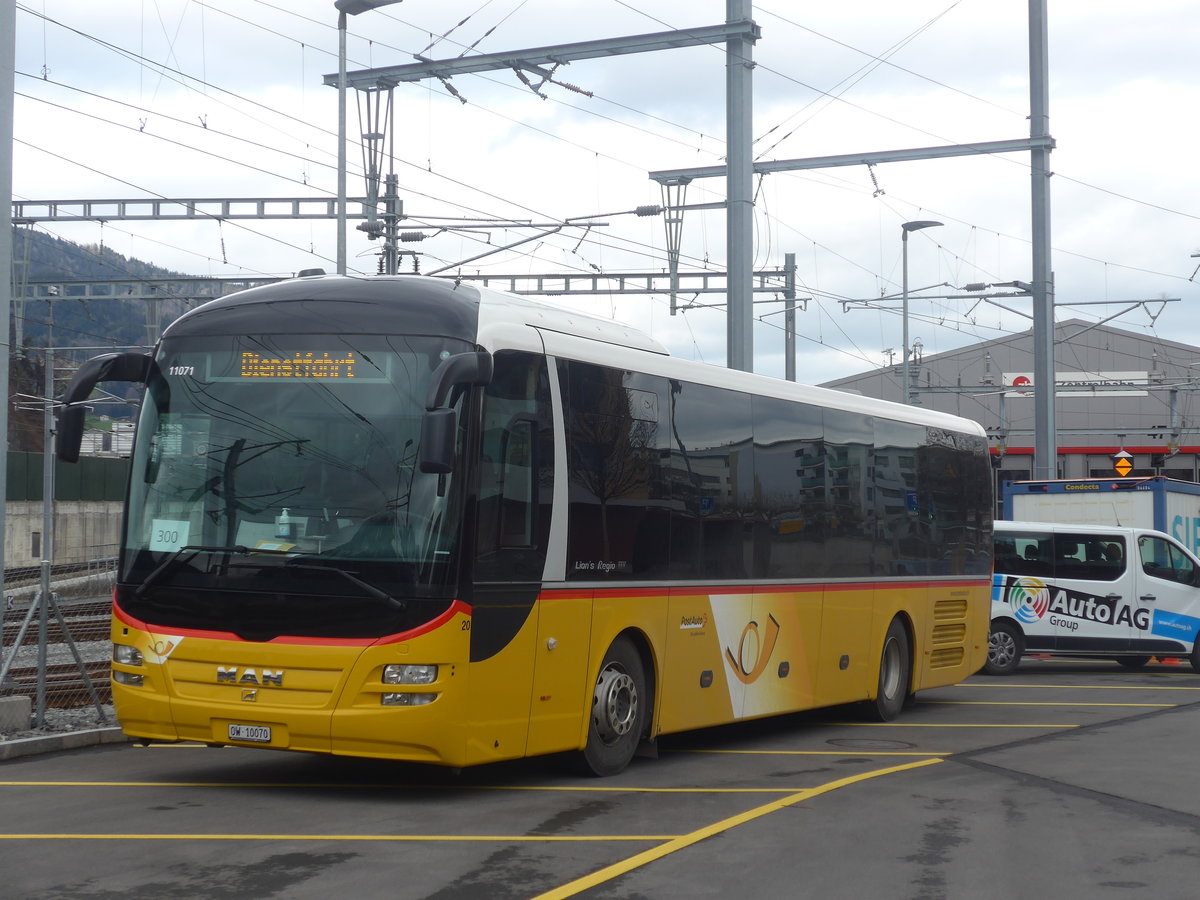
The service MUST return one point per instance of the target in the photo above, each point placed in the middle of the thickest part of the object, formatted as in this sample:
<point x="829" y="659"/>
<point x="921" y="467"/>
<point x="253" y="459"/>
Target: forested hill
<point x="38" y="256"/>
<point x="94" y="324"/>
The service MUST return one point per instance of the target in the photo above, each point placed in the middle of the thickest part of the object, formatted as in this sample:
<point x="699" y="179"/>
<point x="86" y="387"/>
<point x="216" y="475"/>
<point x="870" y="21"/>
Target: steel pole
<point x="904" y="317"/>
<point x="739" y="102"/>
<point x="789" y="317"/>
<point x="8" y="40"/>
<point x="47" y="516"/>
<point x="341" y="148"/>
<point x="1045" y="431"/>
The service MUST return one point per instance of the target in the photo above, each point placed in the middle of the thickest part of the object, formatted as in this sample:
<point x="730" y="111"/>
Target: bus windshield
<point x="275" y="484"/>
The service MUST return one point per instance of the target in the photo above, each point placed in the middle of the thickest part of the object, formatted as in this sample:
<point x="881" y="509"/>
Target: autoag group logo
<point x="1029" y="598"/>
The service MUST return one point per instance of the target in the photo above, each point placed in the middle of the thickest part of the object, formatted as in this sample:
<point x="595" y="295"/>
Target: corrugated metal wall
<point x="92" y="478"/>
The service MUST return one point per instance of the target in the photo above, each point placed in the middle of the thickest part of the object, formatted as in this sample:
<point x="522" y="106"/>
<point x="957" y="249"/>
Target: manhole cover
<point x="867" y="744"/>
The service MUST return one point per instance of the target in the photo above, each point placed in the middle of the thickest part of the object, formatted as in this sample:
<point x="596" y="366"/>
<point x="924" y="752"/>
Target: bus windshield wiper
<point x="366" y="586"/>
<point x="176" y="559"/>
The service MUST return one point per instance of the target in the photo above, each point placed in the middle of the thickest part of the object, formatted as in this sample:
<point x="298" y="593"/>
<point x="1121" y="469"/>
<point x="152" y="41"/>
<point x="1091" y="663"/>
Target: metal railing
<point x="55" y="648"/>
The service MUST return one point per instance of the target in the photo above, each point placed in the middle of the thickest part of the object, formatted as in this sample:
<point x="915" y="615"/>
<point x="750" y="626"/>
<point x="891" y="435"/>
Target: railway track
<point x="32" y="575"/>
<point x="66" y="687"/>
<point x="85" y="621"/>
<point x="84" y="624"/>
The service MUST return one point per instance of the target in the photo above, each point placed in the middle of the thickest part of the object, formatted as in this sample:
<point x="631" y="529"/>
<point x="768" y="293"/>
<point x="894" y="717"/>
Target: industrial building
<point x="1124" y="401"/>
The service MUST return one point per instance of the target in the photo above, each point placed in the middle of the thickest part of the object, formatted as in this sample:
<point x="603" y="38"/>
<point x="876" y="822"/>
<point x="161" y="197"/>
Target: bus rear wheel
<point x="895" y="673"/>
<point x="618" y="711"/>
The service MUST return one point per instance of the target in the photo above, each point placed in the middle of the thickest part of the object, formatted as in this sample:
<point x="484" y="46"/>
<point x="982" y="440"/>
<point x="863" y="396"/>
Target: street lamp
<point x="345" y="8"/>
<point x="904" y="230"/>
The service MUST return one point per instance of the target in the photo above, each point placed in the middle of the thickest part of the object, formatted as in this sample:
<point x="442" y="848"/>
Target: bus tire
<point x="1005" y="646"/>
<point x="895" y="673"/>
<point x="618" y="710"/>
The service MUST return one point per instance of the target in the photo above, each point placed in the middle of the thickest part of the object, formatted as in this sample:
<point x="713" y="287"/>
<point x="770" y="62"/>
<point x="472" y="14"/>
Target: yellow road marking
<point x="678" y="843"/>
<point x="573" y="789"/>
<point x="847" y="752"/>
<point x="1036" y="703"/>
<point x="494" y="838"/>
<point x="933" y="725"/>
<point x="1077" y="687"/>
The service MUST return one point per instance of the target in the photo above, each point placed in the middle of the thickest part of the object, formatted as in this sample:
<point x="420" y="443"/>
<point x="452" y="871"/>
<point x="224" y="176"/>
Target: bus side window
<point x="515" y="470"/>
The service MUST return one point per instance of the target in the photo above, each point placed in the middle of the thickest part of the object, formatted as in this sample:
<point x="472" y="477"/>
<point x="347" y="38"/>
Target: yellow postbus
<point x="405" y="518"/>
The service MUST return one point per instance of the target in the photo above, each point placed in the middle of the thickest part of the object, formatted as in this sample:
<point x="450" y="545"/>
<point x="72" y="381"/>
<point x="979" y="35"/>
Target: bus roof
<point x="497" y="320"/>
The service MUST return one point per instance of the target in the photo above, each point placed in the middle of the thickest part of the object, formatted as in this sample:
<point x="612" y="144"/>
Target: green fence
<point x="92" y="478"/>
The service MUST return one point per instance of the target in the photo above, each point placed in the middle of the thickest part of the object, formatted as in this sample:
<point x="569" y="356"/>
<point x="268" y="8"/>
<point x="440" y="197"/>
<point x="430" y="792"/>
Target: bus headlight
<point x="409" y="674"/>
<point x="126" y="655"/>
<point x="407" y="699"/>
<point x="128" y="678"/>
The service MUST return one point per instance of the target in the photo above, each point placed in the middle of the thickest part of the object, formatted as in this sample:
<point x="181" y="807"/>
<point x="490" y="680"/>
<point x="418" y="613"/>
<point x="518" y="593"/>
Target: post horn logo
<point x="754" y="650"/>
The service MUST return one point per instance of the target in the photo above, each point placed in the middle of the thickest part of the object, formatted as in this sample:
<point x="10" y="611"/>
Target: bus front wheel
<point x="618" y="711"/>
<point x="895" y="672"/>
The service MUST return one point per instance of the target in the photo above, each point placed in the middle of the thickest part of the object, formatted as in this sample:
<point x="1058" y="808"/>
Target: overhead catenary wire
<point x="611" y="241"/>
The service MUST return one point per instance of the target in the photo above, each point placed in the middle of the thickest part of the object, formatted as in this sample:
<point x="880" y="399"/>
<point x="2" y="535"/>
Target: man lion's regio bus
<point x="407" y="518"/>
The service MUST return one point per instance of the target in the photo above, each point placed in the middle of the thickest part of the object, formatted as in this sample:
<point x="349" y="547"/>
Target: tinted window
<point x="712" y="458"/>
<point x="850" y="536"/>
<point x="901" y="533"/>
<point x="619" y="525"/>
<point x="1089" y="557"/>
<point x="789" y="474"/>
<point x="1042" y="555"/>
<point x="1023" y="553"/>
<point x="954" y="496"/>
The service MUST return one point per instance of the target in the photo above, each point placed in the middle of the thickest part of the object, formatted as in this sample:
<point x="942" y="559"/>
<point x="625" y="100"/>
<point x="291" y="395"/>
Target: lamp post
<point x="345" y="8"/>
<point x="904" y="230"/>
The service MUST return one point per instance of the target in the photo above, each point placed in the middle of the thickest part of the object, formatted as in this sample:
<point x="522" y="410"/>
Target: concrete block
<point x="15" y="714"/>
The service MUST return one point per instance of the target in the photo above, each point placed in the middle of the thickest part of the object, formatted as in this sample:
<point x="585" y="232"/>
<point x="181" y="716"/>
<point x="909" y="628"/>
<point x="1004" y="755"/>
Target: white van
<point x="1091" y="591"/>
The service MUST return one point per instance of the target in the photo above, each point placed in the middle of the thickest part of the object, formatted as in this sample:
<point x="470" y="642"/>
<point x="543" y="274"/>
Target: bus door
<point x="529" y="646"/>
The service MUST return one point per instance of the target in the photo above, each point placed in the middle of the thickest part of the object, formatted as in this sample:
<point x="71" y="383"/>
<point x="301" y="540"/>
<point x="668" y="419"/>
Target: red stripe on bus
<point x="716" y="590"/>
<point x="455" y="608"/>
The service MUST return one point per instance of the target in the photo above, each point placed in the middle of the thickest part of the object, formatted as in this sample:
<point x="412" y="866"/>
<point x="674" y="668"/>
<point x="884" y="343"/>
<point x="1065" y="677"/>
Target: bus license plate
<point x="257" y="734"/>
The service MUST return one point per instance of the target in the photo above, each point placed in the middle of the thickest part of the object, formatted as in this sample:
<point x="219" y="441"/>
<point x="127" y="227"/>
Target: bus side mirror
<point x="460" y="369"/>
<point x="440" y="423"/>
<point x="131" y="366"/>
<point x="437" y="441"/>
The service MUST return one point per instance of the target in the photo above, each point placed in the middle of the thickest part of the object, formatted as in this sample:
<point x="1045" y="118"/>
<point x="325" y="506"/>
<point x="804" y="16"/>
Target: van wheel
<point x="1005" y="647"/>
<point x="1194" y="659"/>
<point x="1133" y="662"/>
<point x="618" y="713"/>
<point x="895" y="674"/>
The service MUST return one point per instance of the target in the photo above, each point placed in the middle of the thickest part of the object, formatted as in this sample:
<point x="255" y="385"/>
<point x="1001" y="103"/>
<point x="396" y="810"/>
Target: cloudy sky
<point x="225" y="99"/>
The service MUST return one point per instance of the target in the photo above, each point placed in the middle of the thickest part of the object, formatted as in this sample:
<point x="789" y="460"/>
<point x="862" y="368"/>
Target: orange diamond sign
<point x="1123" y="463"/>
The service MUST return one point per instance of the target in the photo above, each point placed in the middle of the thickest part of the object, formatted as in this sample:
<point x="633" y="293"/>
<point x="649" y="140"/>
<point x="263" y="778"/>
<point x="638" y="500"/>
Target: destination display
<point x="307" y="364"/>
<point x="343" y="366"/>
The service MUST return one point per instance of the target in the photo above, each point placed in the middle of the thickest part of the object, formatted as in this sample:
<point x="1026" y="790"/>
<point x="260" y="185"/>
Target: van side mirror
<point x="131" y="366"/>
<point x="440" y="422"/>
